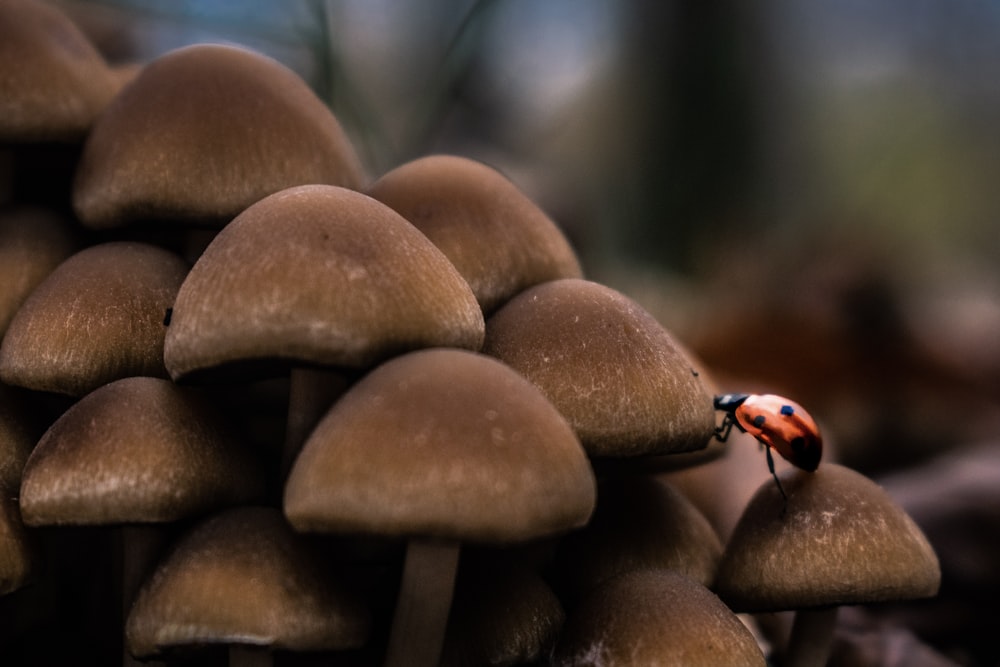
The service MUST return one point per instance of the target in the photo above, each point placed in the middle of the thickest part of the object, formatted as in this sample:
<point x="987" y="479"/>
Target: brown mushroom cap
<point x="443" y="443"/>
<point x="137" y="450"/>
<point x="496" y="237"/>
<point x="96" y="318"/>
<point x="841" y="540"/>
<point x="203" y="132"/>
<point x="318" y="275"/>
<point x="53" y="82"/>
<point x="655" y="617"/>
<point x="244" y="577"/>
<point x="615" y="373"/>
<point x="33" y="242"/>
<point x="640" y="523"/>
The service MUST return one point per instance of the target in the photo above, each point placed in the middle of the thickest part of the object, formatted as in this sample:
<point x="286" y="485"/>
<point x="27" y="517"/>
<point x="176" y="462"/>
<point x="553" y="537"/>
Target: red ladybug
<point x="778" y="423"/>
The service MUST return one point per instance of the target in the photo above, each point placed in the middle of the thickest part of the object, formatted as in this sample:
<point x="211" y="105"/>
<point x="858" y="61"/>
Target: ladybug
<point x="778" y="423"/>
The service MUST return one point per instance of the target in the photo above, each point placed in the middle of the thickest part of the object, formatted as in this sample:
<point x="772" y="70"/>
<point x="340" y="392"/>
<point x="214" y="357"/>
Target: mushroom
<point x="33" y="242"/>
<point x="135" y="453"/>
<point x="655" y="617"/>
<point x="99" y="316"/>
<point x="612" y="370"/>
<point x="497" y="238"/>
<point x="503" y="614"/>
<point x="841" y="540"/>
<point x="640" y="523"/>
<point x="202" y="133"/>
<point x="242" y="577"/>
<point x="53" y="82"/>
<point x="316" y="276"/>
<point x="439" y="446"/>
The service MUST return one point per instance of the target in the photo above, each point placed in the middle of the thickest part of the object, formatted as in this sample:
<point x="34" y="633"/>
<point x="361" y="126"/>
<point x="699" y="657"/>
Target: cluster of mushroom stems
<point x="465" y="419"/>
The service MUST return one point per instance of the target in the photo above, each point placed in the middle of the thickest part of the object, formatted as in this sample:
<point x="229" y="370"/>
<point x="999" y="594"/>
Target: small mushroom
<point x="503" y="614"/>
<point x="497" y="238"/>
<point x="612" y="370"/>
<point x="242" y="577"/>
<point x="640" y="523"/>
<point x="840" y="540"/>
<point x="439" y="446"/>
<point x="655" y="617"/>
<point x="96" y="318"/>
<point x="53" y="82"/>
<point x="203" y="132"/>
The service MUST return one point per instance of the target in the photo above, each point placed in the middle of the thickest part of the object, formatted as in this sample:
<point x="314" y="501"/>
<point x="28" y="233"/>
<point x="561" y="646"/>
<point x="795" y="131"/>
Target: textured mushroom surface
<point x="53" y="82"/>
<point x="615" y="373"/>
<point x="498" y="239"/>
<point x="20" y="558"/>
<point x="655" y="617"/>
<point x="203" y="132"/>
<point x="244" y="577"/>
<point x="841" y="540"/>
<point x="133" y="451"/>
<point x="96" y="318"/>
<point x="323" y="275"/>
<point x="442" y="443"/>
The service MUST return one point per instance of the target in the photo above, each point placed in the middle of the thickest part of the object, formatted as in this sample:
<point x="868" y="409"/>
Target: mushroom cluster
<point x="275" y="410"/>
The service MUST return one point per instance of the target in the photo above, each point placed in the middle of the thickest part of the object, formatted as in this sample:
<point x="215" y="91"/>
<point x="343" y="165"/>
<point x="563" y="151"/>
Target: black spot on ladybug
<point x="787" y="410"/>
<point x="167" y="316"/>
<point x="798" y="444"/>
<point x="758" y="421"/>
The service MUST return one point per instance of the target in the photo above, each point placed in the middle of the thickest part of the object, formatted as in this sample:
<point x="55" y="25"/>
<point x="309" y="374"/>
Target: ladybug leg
<point x="770" y="467"/>
<point x="724" y="429"/>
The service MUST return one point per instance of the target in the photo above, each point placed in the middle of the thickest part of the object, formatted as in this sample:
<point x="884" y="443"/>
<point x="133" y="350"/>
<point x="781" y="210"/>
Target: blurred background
<point x="804" y="193"/>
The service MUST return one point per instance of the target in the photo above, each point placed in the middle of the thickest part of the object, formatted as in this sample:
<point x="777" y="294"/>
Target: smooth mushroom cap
<point x="498" y="239"/>
<point x="640" y="523"/>
<point x="655" y="617"/>
<point x="33" y="242"/>
<point x="615" y="373"/>
<point x="203" y="132"/>
<point x="318" y="275"/>
<point x="442" y="443"/>
<point x="53" y="82"/>
<point x="841" y="540"/>
<point x="97" y="317"/>
<point x="244" y="577"/>
<point x="137" y="450"/>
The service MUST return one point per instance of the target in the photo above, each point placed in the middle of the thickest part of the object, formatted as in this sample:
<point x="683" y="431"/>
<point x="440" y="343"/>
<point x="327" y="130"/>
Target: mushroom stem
<point x="242" y="655"/>
<point x="811" y="638"/>
<point x="311" y="392"/>
<point x="425" y="593"/>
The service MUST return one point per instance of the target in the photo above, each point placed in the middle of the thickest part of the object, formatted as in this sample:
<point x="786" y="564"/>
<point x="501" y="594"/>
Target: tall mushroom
<point x="839" y="540"/>
<point x="316" y="276"/>
<point x="439" y="446"/>
<point x="616" y="374"/>
<point x="98" y="317"/>
<point x="204" y="132"/>
<point x="498" y="239"/>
